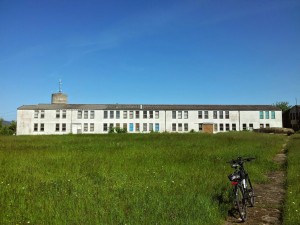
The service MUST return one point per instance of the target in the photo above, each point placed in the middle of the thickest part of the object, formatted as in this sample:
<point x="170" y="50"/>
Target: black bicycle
<point x="243" y="192"/>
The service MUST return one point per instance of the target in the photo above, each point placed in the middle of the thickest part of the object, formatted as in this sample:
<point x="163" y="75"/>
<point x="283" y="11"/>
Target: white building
<point x="62" y="118"/>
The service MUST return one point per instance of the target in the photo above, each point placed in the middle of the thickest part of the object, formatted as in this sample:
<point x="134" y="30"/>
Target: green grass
<point x="291" y="213"/>
<point x="125" y="178"/>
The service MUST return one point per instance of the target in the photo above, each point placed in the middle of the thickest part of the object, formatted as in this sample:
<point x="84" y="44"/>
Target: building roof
<point x="148" y="107"/>
<point x="295" y="109"/>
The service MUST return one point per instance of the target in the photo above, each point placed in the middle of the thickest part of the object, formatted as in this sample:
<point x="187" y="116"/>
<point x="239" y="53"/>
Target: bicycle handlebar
<point x="241" y="160"/>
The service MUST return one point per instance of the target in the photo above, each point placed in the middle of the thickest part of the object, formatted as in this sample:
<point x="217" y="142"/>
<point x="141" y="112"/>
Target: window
<point x="180" y="127"/>
<point x="199" y="114"/>
<point x="57" y="114"/>
<point x="64" y="127"/>
<point x="137" y="127"/>
<point x="86" y="114"/>
<point x="157" y="127"/>
<point x="226" y="114"/>
<point x="156" y="114"/>
<point x="215" y="127"/>
<point x="244" y="126"/>
<point x="267" y="114"/>
<point x="124" y="114"/>
<point x="42" y="114"/>
<point x="221" y="126"/>
<point x="57" y="127"/>
<point x="200" y="125"/>
<point x="137" y="114"/>
<point x="64" y="114"/>
<point x="179" y="114"/>
<point x="261" y="125"/>
<point x="36" y="113"/>
<point x="150" y="126"/>
<point x="173" y="126"/>
<point x="173" y="114"/>
<point x="151" y="114"/>
<point x="186" y="114"/>
<point x="117" y="125"/>
<point x="261" y="115"/>
<point x="111" y="125"/>
<point x="144" y="126"/>
<point x="221" y="115"/>
<point x="105" y="116"/>
<point x="105" y="127"/>
<point x="186" y="127"/>
<point x="250" y="126"/>
<point x="35" y="127"/>
<point x="267" y="125"/>
<point x="273" y="115"/>
<point x="85" y="127"/>
<point x="215" y="115"/>
<point x="111" y="114"/>
<point x="92" y="114"/>
<point x="145" y="114"/>
<point x="233" y="126"/>
<point x="227" y="126"/>
<point x="79" y="114"/>
<point x="125" y="126"/>
<point x="130" y="114"/>
<point x="92" y="127"/>
<point x="42" y="128"/>
<point x="206" y="114"/>
<point x="117" y="114"/>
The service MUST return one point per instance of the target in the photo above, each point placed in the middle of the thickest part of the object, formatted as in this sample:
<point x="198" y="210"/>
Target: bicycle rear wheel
<point x="240" y="201"/>
<point x="250" y="192"/>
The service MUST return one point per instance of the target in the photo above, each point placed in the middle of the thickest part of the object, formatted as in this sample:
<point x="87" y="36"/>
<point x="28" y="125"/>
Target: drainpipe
<point x="165" y="121"/>
<point x="71" y="132"/>
<point x="239" y="120"/>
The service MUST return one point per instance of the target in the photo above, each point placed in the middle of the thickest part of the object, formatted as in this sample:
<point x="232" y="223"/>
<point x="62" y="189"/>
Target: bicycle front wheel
<point x="241" y="203"/>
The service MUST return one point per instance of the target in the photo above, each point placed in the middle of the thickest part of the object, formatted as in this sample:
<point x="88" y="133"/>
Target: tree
<point x="283" y="105"/>
<point x="8" y="129"/>
<point x="13" y="127"/>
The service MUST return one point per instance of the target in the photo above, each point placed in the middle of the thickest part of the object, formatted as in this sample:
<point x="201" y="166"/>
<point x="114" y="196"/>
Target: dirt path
<point x="269" y="198"/>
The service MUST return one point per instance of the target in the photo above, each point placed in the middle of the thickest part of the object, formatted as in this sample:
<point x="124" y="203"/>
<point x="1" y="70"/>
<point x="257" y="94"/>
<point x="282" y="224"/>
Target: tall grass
<point x="125" y="178"/>
<point x="291" y="214"/>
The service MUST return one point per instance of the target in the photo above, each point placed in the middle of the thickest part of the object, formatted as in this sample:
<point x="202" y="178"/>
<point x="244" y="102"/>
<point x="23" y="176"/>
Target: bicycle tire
<point x="240" y="201"/>
<point x="250" y="192"/>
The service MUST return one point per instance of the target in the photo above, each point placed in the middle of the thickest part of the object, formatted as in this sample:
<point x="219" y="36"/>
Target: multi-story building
<point x="59" y="117"/>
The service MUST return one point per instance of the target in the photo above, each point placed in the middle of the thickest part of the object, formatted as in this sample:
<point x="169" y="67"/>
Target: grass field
<point x="125" y="178"/>
<point x="291" y="214"/>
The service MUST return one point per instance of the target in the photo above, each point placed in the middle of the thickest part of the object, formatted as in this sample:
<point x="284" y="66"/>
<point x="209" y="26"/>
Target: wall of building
<point x="93" y="121"/>
<point x="24" y="122"/>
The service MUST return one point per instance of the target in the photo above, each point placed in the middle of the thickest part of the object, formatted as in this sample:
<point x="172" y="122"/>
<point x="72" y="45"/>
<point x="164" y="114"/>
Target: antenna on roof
<point x="60" y="84"/>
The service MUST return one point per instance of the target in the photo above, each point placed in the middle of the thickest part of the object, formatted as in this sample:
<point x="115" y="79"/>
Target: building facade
<point x="63" y="118"/>
<point x="291" y="118"/>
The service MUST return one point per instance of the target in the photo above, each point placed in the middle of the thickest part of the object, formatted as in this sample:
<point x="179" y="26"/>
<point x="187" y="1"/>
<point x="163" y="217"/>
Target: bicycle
<point x="243" y="192"/>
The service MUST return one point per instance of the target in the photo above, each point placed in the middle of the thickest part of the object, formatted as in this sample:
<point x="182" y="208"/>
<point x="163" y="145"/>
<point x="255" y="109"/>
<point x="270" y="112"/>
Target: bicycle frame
<point x="240" y="181"/>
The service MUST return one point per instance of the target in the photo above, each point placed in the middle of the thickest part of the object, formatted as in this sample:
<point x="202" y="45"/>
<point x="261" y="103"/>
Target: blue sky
<point x="149" y="52"/>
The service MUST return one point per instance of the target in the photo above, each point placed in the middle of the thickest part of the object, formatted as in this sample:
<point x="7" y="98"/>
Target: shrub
<point x="117" y="130"/>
